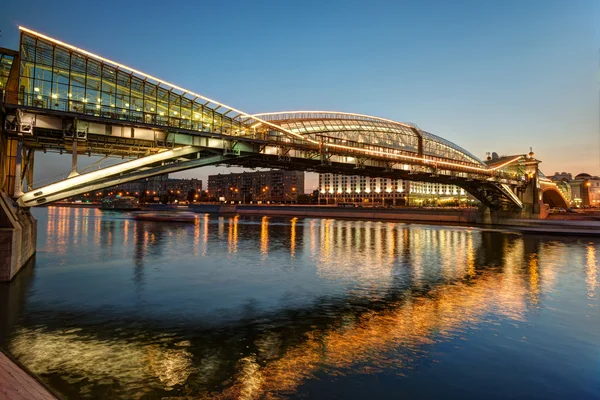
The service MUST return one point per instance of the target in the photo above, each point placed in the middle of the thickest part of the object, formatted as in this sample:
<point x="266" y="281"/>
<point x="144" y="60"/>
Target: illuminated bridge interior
<point x="55" y="87"/>
<point x="57" y="76"/>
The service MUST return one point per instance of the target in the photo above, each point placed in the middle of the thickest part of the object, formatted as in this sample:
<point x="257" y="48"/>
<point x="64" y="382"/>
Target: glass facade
<point x="372" y="133"/>
<point x="58" y="78"/>
<point x="6" y="62"/>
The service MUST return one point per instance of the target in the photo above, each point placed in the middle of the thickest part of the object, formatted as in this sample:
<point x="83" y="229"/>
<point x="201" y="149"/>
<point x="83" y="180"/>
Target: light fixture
<point x="37" y="89"/>
<point x="126" y="104"/>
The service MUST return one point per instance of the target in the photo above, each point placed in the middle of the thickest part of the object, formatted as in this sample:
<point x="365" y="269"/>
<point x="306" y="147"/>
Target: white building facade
<point x="335" y="189"/>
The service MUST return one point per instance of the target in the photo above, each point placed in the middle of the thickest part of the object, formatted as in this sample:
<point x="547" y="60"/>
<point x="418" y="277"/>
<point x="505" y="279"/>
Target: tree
<point x="304" y="199"/>
<point x="191" y="195"/>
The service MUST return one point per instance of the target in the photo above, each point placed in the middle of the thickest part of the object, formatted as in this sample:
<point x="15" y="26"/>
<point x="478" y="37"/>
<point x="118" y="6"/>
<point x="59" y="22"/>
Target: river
<point x="251" y="307"/>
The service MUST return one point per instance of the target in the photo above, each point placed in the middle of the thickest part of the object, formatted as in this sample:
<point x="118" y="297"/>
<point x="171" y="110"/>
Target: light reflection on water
<point x="235" y="307"/>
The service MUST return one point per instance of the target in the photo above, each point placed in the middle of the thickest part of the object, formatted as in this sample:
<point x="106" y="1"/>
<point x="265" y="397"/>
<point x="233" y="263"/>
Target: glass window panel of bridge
<point x="149" y="109"/>
<point x="92" y="98"/>
<point x="162" y="105"/>
<point x="229" y="126"/>
<point x="208" y="120"/>
<point x="402" y="138"/>
<point x="441" y="148"/>
<point x="330" y="125"/>
<point x="295" y="127"/>
<point x="226" y="128"/>
<point x="5" y="66"/>
<point x="77" y="82"/>
<point x="136" y="100"/>
<point x="123" y="90"/>
<point x="197" y="116"/>
<point x="186" y="113"/>
<point x="62" y="66"/>
<point x="217" y="122"/>
<point x="27" y="70"/>
<point x="43" y="59"/>
<point x="174" y="109"/>
<point x="309" y="127"/>
<point x="109" y="94"/>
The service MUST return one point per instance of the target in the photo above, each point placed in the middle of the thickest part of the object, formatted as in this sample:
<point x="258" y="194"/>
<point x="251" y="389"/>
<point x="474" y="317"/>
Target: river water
<point x="250" y="307"/>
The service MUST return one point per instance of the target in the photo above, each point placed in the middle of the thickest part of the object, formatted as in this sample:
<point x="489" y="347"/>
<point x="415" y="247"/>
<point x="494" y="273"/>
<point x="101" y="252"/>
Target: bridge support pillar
<point x="18" y="228"/>
<point x="484" y="215"/>
<point x="74" y="160"/>
<point x="533" y="206"/>
<point x="18" y="236"/>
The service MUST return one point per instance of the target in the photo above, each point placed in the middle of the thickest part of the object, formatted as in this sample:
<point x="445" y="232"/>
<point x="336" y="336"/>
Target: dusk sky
<point x="488" y="75"/>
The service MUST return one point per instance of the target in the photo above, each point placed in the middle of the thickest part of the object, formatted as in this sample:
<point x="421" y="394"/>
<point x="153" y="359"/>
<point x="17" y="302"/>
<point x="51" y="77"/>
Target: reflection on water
<point x="234" y="307"/>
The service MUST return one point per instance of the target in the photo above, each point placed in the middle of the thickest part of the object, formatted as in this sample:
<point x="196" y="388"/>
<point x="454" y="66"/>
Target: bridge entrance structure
<point x="60" y="98"/>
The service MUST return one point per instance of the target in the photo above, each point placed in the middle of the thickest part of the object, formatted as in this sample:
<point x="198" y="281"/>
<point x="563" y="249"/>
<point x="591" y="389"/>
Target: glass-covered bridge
<point x="63" y="98"/>
<point x="60" y="77"/>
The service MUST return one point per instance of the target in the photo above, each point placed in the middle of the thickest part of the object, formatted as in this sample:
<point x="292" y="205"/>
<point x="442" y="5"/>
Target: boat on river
<point x="165" y="216"/>
<point x="123" y="203"/>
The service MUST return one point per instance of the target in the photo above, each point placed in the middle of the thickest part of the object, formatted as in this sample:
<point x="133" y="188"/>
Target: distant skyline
<point x="488" y="75"/>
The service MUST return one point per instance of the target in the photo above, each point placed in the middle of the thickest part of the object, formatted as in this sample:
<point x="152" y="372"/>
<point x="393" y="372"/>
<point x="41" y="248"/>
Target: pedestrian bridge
<point x="60" y="98"/>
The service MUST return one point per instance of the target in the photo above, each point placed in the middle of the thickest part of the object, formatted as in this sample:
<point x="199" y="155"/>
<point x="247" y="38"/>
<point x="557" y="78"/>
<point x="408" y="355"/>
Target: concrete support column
<point x="18" y="237"/>
<point x="74" y="160"/>
<point x="18" y="228"/>
<point x="29" y="174"/>
<point x="533" y="206"/>
<point x="8" y="155"/>
<point x="18" y="189"/>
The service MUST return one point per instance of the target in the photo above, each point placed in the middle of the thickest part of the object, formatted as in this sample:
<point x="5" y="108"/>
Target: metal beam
<point x="31" y="198"/>
<point x="117" y="180"/>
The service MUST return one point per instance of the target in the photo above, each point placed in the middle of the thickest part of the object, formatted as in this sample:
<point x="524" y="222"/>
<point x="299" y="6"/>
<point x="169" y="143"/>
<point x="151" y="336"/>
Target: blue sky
<point x="488" y="75"/>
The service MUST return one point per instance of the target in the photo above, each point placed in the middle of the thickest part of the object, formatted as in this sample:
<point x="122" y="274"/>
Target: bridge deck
<point x="16" y="384"/>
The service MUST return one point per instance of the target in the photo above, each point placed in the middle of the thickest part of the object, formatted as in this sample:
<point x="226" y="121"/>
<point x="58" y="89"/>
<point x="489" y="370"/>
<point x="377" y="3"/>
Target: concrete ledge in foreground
<point x="16" y="384"/>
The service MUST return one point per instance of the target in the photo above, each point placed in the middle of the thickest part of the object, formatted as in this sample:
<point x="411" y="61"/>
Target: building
<point x="157" y="188"/>
<point x="585" y="188"/>
<point x="562" y="176"/>
<point x="257" y="187"/>
<point x="179" y="189"/>
<point x="335" y="189"/>
<point x="149" y="186"/>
